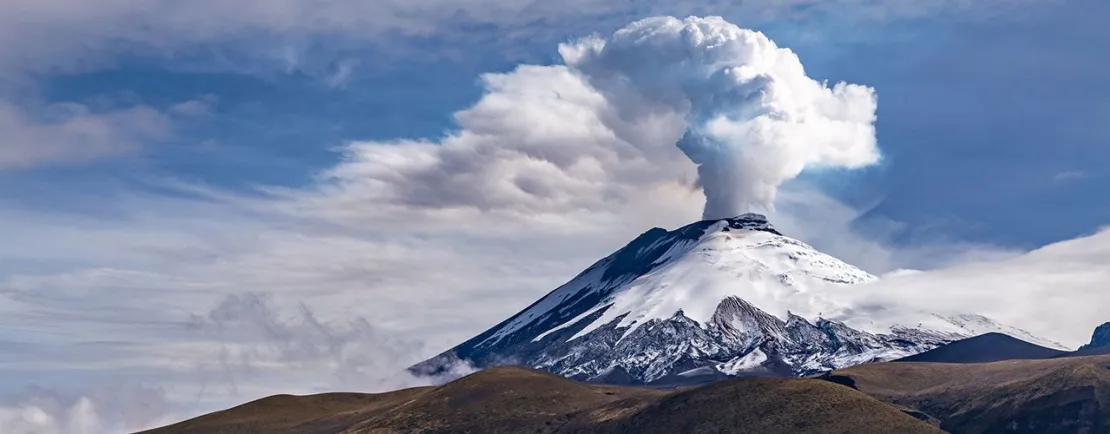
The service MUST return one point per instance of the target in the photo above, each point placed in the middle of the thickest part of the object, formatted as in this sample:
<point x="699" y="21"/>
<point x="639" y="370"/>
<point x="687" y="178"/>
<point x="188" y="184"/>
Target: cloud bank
<point x="1057" y="291"/>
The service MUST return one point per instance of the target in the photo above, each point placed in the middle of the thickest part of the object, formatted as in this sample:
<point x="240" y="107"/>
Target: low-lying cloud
<point x="97" y="410"/>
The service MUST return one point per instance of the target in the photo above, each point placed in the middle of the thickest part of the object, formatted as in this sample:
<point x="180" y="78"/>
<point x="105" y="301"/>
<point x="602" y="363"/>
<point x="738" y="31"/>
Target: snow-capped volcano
<point x="716" y="297"/>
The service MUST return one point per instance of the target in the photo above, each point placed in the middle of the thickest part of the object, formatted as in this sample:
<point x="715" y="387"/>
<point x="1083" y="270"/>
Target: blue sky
<point x="171" y="169"/>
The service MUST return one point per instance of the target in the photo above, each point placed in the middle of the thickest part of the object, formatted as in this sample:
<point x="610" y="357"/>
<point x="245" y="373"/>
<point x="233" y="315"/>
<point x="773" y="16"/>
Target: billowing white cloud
<point x="754" y="119"/>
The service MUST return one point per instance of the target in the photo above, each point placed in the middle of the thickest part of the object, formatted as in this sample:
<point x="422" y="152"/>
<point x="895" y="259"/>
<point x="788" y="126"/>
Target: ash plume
<point x="754" y="119"/>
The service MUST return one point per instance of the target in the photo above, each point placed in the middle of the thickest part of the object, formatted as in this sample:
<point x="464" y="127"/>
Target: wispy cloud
<point x="37" y="134"/>
<point x="71" y="132"/>
<point x="196" y="108"/>
<point x="1069" y="175"/>
<point x="73" y="35"/>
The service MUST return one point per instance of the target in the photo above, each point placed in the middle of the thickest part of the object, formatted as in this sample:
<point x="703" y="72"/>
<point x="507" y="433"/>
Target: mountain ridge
<point x="1100" y="338"/>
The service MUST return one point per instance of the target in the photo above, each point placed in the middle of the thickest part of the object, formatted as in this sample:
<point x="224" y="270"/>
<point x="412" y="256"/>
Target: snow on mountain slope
<point x="731" y="296"/>
<point x="761" y="267"/>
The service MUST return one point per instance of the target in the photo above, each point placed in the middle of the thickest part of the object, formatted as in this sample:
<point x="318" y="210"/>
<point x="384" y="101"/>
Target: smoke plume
<point x="754" y="119"/>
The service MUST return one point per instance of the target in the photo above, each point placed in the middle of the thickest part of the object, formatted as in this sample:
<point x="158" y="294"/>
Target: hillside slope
<point x="519" y="400"/>
<point x="1058" y="395"/>
<point x="990" y="347"/>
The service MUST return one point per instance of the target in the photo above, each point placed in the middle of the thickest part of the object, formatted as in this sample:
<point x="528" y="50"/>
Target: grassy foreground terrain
<point x="1057" y="395"/>
<point x="519" y="400"/>
<point x="1042" y="396"/>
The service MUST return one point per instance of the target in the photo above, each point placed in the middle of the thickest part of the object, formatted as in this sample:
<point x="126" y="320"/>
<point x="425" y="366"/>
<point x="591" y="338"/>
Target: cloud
<point x="1057" y="291"/>
<point x="196" y="108"/>
<point x="352" y="354"/>
<point x="33" y="134"/>
<point x="105" y="409"/>
<point x="753" y="118"/>
<point x="67" y="36"/>
<point x="73" y="133"/>
<point x="540" y="145"/>
<point x="342" y="74"/>
<point x="1069" y="175"/>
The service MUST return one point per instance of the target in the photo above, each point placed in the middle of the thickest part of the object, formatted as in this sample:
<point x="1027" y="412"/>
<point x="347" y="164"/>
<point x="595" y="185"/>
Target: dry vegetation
<point x="517" y="400"/>
<point x="1061" y="395"/>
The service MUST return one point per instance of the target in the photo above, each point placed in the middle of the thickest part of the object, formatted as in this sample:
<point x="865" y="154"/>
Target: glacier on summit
<point x="716" y="298"/>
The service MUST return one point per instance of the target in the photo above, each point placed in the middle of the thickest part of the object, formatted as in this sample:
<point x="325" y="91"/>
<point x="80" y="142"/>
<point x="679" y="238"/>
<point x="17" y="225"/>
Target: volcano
<point x="711" y="300"/>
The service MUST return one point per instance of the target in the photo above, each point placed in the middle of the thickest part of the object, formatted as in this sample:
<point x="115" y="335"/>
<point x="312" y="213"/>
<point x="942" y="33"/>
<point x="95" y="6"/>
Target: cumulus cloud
<point x="541" y="140"/>
<point x="754" y="119"/>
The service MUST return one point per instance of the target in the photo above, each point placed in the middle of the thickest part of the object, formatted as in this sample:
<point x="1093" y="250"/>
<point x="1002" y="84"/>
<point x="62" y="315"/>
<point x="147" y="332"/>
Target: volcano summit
<point x="713" y="299"/>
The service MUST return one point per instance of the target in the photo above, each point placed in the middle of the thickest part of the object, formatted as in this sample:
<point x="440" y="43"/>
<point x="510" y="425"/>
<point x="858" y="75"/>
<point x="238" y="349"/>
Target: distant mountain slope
<point x="1087" y="351"/>
<point x="1100" y="339"/>
<point x="716" y="298"/>
<point x="1058" y="395"/>
<point x="756" y="406"/>
<point x="1099" y="345"/>
<point x="991" y="347"/>
<point x="518" y="400"/>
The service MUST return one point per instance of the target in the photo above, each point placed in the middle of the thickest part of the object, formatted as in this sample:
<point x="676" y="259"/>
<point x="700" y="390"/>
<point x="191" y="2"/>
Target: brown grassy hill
<point x="1062" y="395"/>
<point x="289" y="414"/>
<point x="757" y="406"/>
<point x="518" y="400"/>
<point x="500" y="400"/>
